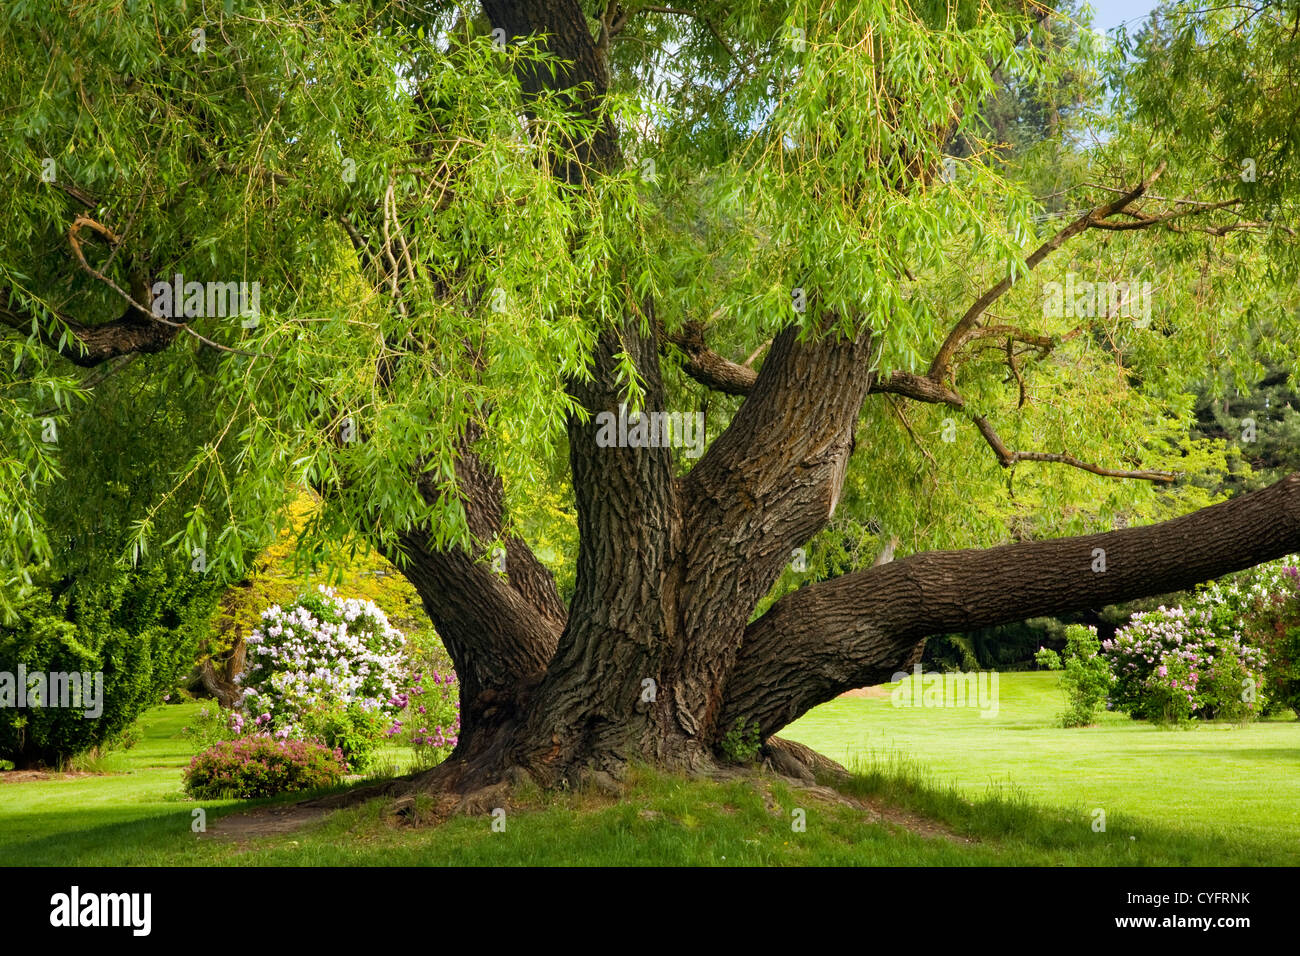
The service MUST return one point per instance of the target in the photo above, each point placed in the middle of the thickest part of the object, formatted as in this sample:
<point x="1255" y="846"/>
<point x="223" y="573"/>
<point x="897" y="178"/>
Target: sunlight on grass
<point x="955" y="789"/>
<point x="1236" y="780"/>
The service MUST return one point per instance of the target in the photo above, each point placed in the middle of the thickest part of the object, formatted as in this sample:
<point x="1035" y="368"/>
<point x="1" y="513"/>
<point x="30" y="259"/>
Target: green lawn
<point x="1214" y="795"/>
<point x="1235" y="781"/>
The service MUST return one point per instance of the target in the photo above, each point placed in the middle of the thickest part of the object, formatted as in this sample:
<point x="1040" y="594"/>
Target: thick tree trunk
<point x="589" y="711"/>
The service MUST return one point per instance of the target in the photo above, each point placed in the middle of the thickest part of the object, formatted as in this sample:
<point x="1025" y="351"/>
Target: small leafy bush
<point x="1263" y="603"/>
<point x="741" y="744"/>
<point x="139" y="630"/>
<point x="261" y="766"/>
<point x="1086" y="679"/>
<point x="350" y="729"/>
<point x="1048" y="659"/>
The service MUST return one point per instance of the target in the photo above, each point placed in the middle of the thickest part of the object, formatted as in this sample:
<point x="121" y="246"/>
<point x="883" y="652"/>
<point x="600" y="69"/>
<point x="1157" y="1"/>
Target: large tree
<point x="478" y="233"/>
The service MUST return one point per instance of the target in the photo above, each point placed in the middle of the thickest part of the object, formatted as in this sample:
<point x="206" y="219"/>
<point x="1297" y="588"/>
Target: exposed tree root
<point x="455" y="787"/>
<point x="431" y="797"/>
<point x="792" y="759"/>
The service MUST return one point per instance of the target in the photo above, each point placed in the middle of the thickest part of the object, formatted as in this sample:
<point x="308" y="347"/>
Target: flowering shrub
<point x="431" y="724"/>
<point x="326" y="667"/>
<point x="261" y="766"/>
<point x="1237" y="597"/>
<point x="1169" y="664"/>
<point x="213" y="725"/>
<point x="1274" y="626"/>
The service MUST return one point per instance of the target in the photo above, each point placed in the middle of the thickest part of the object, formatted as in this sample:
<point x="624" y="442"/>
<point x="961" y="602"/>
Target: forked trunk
<point x="621" y="683"/>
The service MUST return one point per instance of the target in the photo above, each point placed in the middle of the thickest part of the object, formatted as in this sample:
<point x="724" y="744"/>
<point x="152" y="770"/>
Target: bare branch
<point x="708" y="367"/>
<point x="85" y="222"/>
<point x="1007" y="458"/>
<point x="679" y="12"/>
<point x="939" y="368"/>
<point x="1142" y="220"/>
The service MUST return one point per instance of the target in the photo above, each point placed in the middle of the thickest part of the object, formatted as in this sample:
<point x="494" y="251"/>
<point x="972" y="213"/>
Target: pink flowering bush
<point x="261" y="766"/>
<point x="1174" y="664"/>
<point x="214" y="724"/>
<point x="431" y="722"/>
<point x="329" y="669"/>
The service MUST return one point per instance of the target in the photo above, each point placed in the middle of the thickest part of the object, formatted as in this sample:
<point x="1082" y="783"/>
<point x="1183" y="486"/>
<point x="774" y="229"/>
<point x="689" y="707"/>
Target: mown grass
<point x="996" y="799"/>
<point x="1235" y="783"/>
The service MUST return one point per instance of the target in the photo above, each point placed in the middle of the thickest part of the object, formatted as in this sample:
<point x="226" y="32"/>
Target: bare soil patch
<point x="877" y="691"/>
<point x="26" y="776"/>
<point x="240" y="827"/>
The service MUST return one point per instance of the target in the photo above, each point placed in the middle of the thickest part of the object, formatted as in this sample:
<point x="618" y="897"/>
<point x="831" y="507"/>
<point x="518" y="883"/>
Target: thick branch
<point x="765" y="486"/>
<point x="500" y="630"/>
<point x="708" y="367"/>
<point x="860" y="628"/>
<point x="131" y="333"/>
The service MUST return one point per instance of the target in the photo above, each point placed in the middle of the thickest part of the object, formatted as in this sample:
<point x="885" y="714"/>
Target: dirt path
<point x="867" y="692"/>
<point x="241" y="827"/>
<point x="876" y="811"/>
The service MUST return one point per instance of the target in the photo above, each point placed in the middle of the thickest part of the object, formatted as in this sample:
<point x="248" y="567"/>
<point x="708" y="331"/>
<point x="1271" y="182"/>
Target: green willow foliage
<point x="239" y="154"/>
<point x="769" y="148"/>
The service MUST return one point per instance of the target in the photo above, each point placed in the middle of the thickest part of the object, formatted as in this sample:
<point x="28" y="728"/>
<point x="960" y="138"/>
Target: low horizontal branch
<point x="858" y="629"/>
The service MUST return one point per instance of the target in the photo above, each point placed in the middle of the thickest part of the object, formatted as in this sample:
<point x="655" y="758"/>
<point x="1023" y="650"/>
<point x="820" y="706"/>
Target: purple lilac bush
<point x="1173" y="664"/>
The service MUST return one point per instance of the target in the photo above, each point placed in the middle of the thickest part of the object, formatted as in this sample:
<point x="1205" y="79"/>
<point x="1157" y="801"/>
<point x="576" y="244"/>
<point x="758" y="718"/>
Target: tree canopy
<point x="946" y="273"/>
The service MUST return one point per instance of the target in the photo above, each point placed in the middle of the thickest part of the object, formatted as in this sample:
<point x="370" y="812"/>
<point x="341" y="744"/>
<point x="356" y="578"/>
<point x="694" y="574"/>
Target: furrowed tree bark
<point x="595" y="702"/>
<point x="767" y="485"/>
<point x="500" y="630"/>
<point x="861" y="628"/>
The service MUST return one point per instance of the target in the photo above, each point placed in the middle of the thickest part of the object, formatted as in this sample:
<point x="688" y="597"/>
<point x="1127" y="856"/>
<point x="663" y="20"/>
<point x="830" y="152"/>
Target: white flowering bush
<point x="1235" y="599"/>
<point x="327" y="667"/>
<point x="1266" y="600"/>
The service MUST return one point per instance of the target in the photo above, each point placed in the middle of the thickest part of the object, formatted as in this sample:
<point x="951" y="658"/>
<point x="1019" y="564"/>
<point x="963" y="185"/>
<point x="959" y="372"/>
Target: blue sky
<point x="1111" y="13"/>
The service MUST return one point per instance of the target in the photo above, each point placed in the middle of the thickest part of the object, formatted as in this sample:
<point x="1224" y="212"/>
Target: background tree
<point x="86" y="610"/>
